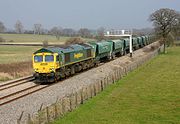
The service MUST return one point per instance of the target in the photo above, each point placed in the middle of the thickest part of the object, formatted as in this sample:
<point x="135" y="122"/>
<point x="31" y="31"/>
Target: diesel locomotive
<point x="54" y="63"/>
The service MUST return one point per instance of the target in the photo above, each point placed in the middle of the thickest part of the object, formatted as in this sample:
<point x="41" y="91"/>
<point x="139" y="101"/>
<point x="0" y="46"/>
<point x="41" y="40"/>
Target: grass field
<point x="15" y="61"/>
<point x="148" y="95"/>
<point x="31" y="38"/>
<point x="11" y="54"/>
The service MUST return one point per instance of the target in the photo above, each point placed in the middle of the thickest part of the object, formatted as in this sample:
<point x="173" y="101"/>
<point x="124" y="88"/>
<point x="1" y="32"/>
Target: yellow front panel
<point x="43" y="66"/>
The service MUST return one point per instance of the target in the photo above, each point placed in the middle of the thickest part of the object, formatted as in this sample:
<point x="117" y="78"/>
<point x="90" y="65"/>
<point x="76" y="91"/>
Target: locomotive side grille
<point x="89" y="53"/>
<point x="67" y="57"/>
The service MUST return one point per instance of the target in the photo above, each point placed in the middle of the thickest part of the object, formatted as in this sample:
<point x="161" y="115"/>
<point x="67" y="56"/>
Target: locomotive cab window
<point x="38" y="58"/>
<point x="49" y="58"/>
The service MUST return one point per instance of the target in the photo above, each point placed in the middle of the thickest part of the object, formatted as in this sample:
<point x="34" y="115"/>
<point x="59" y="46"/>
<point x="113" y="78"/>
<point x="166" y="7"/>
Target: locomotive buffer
<point x="121" y="33"/>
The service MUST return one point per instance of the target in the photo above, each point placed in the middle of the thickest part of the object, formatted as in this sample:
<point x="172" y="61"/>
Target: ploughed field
<point x="150" y="94"/>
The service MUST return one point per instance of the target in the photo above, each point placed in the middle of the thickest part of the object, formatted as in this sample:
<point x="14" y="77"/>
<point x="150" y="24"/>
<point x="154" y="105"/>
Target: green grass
<point x="31" y="38"/>
<point x="148" y="95"/>
<point x="11" y="54"/>
<point x="177" y="41"/>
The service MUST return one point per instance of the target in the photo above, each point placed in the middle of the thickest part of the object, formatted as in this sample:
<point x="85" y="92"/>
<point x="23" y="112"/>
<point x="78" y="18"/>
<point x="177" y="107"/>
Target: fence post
<point x="19" y="119"/>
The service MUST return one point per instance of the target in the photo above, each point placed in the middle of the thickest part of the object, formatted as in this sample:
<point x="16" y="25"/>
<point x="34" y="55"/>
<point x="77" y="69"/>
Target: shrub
<point x="2" y="40"/>
<point x="11" y="41"/>
<point x="75" y="40"/>
<point x="5" y="76"/>
<point x="45" y="43"/>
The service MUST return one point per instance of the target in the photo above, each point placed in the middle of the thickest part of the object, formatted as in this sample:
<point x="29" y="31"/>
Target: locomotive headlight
<point x="36" y="69"/>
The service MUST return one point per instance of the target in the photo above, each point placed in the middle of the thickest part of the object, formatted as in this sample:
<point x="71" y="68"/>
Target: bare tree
<point x="84" y="32"/>
<point x="37" y="28"/>
<point x="18" y="27"/>
<point x="68" y="32"/>
<point x="56" y="31"/>
<point x="100" y="33"/>
<point x="2" y="27"/>
<point x="164" y="21"/>
<point x="176" y="29"/>
<point x="45" y="43"/>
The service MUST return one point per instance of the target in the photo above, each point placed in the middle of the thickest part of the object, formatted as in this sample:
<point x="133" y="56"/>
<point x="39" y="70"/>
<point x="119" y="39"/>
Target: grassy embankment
<point x="148" y="95"/>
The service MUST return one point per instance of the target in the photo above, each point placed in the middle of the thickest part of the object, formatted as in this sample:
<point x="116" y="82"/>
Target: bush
<point x="11" y="41"/>
<point x="45" y="43"/>
<point x="2" y="40"/>
<point x="5" y="76"/>
<point x="75" y="40"/>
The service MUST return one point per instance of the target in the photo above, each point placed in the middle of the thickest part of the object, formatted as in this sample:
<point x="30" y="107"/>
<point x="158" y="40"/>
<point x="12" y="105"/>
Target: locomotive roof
<point x="65" y="49"/>
<point x="49" y="50"/>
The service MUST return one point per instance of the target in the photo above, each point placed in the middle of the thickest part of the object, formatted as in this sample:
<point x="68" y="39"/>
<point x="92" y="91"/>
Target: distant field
<point x="177" y="42"/>
<point x="31" y="38"/>
<point x="12" y="54"/>
<point x="148" y="95"/>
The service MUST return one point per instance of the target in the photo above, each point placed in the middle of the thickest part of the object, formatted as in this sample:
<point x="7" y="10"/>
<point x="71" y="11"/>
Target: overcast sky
<point x="77" y="14"/>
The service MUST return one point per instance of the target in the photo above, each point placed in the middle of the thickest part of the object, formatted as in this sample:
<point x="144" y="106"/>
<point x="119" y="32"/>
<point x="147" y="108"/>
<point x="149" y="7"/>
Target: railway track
<point x="20" y="93"/>
<point x="17" y="82"/>
<point x="13" y="90"/>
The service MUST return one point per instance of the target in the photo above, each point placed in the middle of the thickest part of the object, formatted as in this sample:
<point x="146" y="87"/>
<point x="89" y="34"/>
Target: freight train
<point x="54" y="63"/>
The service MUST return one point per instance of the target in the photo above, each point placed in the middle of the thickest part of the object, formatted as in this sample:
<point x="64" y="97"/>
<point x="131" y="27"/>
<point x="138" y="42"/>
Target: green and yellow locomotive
<point x="54" y="63"/>
<point x="51" y="64"/>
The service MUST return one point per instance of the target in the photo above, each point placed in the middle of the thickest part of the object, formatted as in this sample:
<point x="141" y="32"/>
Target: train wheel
<point x="125" y="52"/>
<point x="55" y="80"/>
<point x="72" y="70"/>
<point x="113" y="56"/>
<point x="68" y="72"/>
